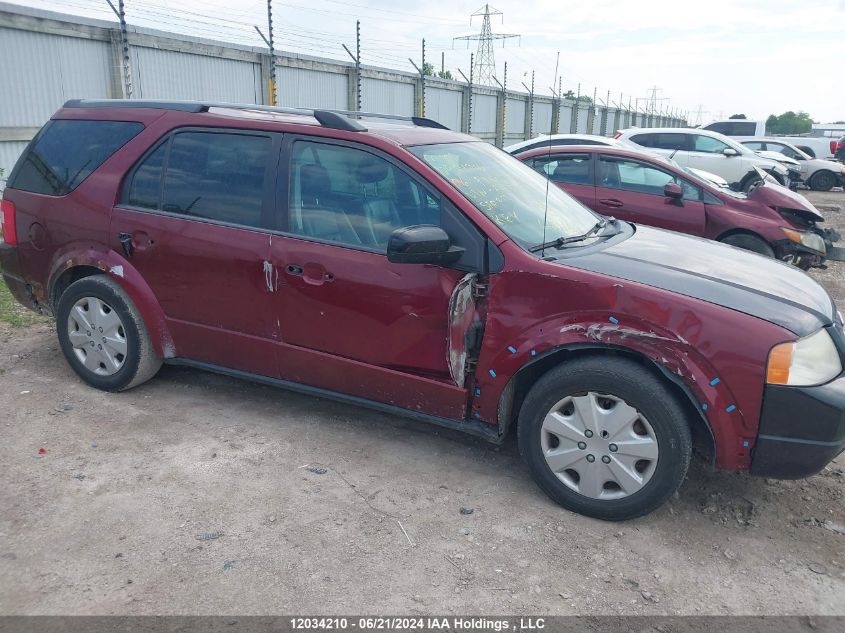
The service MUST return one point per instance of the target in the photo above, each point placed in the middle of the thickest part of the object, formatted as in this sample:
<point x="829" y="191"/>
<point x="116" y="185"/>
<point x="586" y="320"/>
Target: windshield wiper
<point x="563" y="241"/>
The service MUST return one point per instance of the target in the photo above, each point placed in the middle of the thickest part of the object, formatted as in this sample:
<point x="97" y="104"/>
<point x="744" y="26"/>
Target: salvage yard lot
<point x="196" y="493"/>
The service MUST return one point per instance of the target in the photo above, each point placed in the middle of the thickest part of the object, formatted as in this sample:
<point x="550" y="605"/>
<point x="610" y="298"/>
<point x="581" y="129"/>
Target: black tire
<point x="640" y="389"/>
<point x="749" y="243"/>
<point x="750" y="183"/>
<point x="139" y="363"/>
<point x="823" y="181"/>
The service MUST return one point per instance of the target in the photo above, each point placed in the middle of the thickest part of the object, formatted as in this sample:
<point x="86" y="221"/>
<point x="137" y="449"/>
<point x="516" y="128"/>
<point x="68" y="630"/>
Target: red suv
<point x="640" y="187"/>
<point x="401" y="266"/>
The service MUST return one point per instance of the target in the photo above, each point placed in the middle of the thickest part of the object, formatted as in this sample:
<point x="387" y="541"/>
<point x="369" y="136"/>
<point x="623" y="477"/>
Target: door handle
<point x="611" y="202"/>
<point x="125" y="240"/>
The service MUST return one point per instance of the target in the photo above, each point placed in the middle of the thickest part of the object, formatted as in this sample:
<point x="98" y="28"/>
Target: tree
<point x="445" y="74"/>
<point x="428" y="69"/>
<point x="738" y="116"/>
<point x="571" y="96"/>
<point x="789" y="123"/>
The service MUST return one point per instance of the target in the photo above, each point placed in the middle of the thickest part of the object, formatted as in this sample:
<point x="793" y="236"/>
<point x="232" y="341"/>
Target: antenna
<point x="485" y="61"/>
<point x="548" y="175"/>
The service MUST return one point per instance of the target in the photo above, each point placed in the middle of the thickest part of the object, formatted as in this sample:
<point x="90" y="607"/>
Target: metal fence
<point x="47" y="58"/>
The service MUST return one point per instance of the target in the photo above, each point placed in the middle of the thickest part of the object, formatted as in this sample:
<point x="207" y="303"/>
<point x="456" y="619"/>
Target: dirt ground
<point x="198" y="494"/>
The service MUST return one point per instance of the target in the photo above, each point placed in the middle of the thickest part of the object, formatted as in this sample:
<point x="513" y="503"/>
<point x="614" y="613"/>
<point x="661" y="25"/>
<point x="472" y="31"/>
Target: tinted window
<point x="661" y="140"/>
<point x="633" y="175"/>
<point x="709" y="145"/>
<point x="219" y="176"/>
<point x="566" y="168"/>
<point x="145" y="186"/>
<point x="65" y="152"/>
<point x="733" y="128"/>
<point x="347" y="195"/>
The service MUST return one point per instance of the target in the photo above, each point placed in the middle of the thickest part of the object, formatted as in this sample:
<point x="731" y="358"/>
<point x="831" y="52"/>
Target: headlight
<point x="811" y="360"/>
<point x="810" y="240"/>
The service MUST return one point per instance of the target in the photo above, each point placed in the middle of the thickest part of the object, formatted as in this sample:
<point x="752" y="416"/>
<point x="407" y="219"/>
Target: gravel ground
<point x="198" y="494"/>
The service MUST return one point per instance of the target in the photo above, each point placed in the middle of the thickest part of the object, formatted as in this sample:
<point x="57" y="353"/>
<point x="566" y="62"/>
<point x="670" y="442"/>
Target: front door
<point x="192" y="220"/>
<point x="351" y="321"/>
<point x="708" y="154"/>
<point x="632" y="189"/>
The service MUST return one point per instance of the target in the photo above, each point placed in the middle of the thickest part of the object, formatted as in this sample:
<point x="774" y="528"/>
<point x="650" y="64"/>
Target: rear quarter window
<point x="66" y="152"/>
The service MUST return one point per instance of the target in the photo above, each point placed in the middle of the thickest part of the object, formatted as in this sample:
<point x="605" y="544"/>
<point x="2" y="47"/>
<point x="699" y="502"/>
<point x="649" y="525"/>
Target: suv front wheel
<point x="102" y="335"/>
<point x="605" y="438"/>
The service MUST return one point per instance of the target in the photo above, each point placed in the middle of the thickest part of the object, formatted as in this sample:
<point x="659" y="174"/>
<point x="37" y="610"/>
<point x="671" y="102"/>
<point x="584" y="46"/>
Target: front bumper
<point x="801" y="430"/>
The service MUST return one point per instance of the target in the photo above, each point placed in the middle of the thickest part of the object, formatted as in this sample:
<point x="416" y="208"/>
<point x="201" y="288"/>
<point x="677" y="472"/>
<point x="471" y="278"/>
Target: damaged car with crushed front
<point x="410" y="269"/>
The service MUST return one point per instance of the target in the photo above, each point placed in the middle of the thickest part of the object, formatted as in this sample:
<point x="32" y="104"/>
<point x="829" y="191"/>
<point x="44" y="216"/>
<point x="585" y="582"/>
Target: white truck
<point x="814" y="146"/>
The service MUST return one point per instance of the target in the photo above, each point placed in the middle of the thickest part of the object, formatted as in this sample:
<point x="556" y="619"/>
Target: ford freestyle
<point x="400" y="266"/>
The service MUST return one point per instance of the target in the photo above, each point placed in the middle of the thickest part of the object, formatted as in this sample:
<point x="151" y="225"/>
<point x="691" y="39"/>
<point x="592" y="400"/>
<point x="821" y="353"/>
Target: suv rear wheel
<point x="605" y="438"/>
<point x="102" y="335"/>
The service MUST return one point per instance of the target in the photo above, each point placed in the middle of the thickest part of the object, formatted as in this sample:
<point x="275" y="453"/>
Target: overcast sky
<point x="757" y="57"/>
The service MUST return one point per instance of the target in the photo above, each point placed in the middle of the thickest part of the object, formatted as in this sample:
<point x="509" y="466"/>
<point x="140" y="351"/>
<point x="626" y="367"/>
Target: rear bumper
<point x="801" y="430"/>
<point x="20" y="289"/>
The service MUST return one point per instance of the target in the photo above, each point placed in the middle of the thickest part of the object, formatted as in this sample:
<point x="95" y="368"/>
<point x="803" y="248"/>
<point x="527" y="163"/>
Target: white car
<point x="710" y="151"/>
<point x="545" y="140"/>
<point x="813" y="146"/>
<point x="818" y="174"/>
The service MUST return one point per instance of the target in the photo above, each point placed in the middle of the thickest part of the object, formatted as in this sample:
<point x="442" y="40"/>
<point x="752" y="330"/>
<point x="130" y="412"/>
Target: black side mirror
<point x="422" y="244"/>
<point x="674" y="191"/>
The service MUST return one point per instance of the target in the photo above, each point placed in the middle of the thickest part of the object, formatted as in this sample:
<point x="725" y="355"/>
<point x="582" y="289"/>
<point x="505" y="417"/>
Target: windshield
<point x="508" y="192"/>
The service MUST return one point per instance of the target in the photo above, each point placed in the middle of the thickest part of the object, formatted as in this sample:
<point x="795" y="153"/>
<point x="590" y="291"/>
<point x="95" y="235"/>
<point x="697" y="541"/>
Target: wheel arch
<point x="71" y="267"/>
<point x="740" y="231"/>
<point x="510" y="402"/>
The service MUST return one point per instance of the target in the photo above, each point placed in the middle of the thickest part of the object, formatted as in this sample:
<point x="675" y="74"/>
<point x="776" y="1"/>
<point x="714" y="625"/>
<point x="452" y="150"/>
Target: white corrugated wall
<point x="444" y="106"/>
<point x="306" y="88"/>
<point x="387" y="97"/>
<point x="39" y="72"/>
<point x="161" y="74"/>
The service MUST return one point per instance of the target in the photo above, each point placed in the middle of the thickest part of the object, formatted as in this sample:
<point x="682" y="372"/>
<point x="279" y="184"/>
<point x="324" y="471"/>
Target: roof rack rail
<point x="335" y="119"/>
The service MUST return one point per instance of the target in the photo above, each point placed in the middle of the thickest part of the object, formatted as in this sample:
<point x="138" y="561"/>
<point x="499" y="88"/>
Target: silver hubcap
<point x="599" y="446"/>
<point x="97" y="336"/>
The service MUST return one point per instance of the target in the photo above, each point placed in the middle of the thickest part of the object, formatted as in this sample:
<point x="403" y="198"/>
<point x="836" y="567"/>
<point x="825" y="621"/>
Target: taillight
<point x="8" y="225"/>
<point x="833" y="146"/>
<point x="617" y="135"/>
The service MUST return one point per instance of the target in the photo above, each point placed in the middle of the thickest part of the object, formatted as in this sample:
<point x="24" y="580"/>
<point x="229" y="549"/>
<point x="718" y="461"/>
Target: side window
<point x="145" y="186"/>
<point x="633" y="175"/>
<point x="353" y="197"/>
<point x="566" y="168"/>
<point x="755" y="146"/>
<point x="645" y="140"/>
<point x="66" y="152"/>
<point x="721" y="128"/>
<point x="709" y="144"/>
<point x="661" y="140"/>
<point x="218" y="176"/>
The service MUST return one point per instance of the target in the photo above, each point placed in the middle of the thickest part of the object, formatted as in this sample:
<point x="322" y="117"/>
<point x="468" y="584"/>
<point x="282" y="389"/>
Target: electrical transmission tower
<point x="485" y="61"/>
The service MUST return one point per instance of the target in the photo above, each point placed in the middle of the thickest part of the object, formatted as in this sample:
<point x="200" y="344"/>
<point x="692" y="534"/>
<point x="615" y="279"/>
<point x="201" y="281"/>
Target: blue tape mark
<point x="492" y="373"/>
<point x="731" y="408"/>
<point x="704" y="406"/>
<point x="715" y="381"/>
<point x="478" y="392"/>
<point x="745" y="444"/>
<point x="614" y="320"/>
<point x="511" y="349"/>
<point x="533" y="352"/>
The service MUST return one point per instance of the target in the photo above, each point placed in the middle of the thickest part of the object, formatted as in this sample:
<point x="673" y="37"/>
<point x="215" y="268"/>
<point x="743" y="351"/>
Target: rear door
<point x="571" y="171"/>
<point x="193" y="219"/>
<point x="671" y="144"/>
<point x="351" y="321"/>
<point x="632" y="189"/>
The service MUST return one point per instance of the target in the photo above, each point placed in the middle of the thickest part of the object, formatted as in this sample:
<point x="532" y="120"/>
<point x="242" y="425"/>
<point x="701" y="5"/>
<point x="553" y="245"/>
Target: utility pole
<point x="421" y="71"/>
<point x="485" y="61"/>
<point x="120" y="12"/>
<point x="272" y="52"/>
<point x="357" y="59"/>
